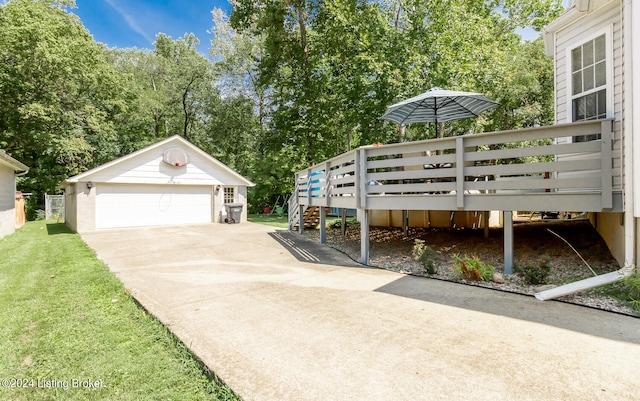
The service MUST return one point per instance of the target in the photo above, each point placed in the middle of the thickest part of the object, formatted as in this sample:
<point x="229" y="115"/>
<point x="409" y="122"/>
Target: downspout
<point x="585" y="284"/>
<point x="631" y="146"/>
<point x="631" y="64"/>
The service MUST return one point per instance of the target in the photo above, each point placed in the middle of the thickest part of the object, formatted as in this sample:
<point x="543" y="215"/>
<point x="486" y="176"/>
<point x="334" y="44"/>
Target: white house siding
<point x="608" y="18"/>
<point x="127" y="205"/>
<point x="140" y="189"/>
<point x="240" y="196"/>
<point x="79" y="208"/>
<point x="7" y="201"/>
<point x="148" y="168"/>
<point x="70" y="205"/>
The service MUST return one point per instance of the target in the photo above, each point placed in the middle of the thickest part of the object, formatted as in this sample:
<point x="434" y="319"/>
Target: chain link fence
<point x="54" y="207"/>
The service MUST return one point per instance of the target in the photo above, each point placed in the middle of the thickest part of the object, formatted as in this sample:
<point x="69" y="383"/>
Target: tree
<point x="167" y="89"/>
<point x="188" y="75"/>
<point x="234" y="134"/>
<point x="145" y="119"/>
<point x="57" y="93"/>
<point x="333" y="66"/>
<point x="236" y="59"/>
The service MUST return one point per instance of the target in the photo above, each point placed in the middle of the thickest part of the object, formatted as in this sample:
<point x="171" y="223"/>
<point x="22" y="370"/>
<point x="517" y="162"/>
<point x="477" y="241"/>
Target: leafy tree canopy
<point x="288" y="82"/>
<point x="58" y="94"/>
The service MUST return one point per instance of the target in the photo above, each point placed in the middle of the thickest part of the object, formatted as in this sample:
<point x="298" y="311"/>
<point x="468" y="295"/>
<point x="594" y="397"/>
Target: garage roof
<point x="12" y="163"/>
<point x="158" y="148"/>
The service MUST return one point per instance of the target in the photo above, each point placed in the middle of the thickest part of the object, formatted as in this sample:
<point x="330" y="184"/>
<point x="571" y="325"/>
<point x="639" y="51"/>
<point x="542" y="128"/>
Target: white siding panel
<point x="7" y="201"/>
<point x="573" y="36"/>
<point x="148" y="168"/>
<point x="7" y="222"/>
<point x="152" y="205"/>
<point x="7" y="188"/>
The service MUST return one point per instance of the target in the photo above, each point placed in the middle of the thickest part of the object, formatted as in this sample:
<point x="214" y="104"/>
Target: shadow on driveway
<point x="567" y="316"/>
<point x="309" y="251"/>
<point x="572" y="317"/>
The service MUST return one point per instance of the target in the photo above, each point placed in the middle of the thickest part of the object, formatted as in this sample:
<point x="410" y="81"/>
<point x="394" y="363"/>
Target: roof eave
<point x="89" y="173"/>
<point x="571" y="15"/>
<point x="14" y="164"/>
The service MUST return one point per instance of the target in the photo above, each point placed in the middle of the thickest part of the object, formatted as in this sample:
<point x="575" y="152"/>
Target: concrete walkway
<point x="278" y="318"/>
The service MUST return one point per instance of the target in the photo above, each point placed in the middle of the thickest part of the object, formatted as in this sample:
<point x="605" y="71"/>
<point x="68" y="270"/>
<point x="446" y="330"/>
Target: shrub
<point x="472" y="268"/>
<point x="533" y="273"/>
<point x="426" y="256"/>
<point x="40" y="215"/>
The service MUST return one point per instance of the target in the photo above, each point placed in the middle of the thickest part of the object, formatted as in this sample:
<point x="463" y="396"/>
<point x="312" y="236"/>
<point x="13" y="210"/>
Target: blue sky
<point x="135" y="23"/>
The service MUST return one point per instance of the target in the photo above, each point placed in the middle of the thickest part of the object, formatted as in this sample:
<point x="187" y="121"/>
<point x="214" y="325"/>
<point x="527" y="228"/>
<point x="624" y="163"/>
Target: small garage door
<point x="152" y="205"/>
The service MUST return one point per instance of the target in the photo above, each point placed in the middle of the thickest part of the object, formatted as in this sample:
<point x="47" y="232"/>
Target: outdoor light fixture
<point x="218" y="188"/>
<point x="89" y="184"/>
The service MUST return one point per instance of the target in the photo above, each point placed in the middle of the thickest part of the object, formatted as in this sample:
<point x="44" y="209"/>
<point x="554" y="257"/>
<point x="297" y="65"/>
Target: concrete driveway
<point x="278" y="318"/>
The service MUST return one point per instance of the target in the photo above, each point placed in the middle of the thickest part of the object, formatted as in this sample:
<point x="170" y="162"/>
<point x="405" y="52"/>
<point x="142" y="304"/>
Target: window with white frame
<point x="589" y="83"/>
<point x="229" y="195"/>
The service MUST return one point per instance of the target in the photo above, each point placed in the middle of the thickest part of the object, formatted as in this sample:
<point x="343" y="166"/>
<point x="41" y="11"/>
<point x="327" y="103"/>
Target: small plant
<point x="534" y="273"/>
<point x="350" y="221"/>
<point x="426" y="256"/>
<point x="472" y="268"/>
<point x="631" y="287"/>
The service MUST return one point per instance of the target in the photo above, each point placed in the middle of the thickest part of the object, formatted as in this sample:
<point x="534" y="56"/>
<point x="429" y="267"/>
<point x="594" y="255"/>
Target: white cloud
<point x="131" y="21"/>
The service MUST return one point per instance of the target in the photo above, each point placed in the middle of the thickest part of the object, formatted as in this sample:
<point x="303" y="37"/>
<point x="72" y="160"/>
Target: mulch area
<point x="532" y="240"/>
<point x="391" y="249"/>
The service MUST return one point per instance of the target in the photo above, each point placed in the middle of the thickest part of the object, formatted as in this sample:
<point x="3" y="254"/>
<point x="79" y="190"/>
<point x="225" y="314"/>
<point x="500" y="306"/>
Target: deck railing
<point x="527" y="169"/>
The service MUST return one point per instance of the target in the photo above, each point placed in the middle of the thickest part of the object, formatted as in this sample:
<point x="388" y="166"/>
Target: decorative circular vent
<point x="175" y="157"/>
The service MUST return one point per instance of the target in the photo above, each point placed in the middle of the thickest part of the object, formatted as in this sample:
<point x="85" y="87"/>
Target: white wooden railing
<point x="473" y="172"/>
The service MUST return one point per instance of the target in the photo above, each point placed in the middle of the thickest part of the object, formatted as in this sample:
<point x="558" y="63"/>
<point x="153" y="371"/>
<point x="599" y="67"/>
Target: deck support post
<point x="606" y="193"/>
<point x="301" y="219"/>
<point x="364" y="237"/>
<point x="323" y="225"/>
<point x="508" y="241"/>
<point x="405" y="222"/>
<point x="343" y="213"/>
<point x="460" y="172"/>
<point x="485" y="223"/>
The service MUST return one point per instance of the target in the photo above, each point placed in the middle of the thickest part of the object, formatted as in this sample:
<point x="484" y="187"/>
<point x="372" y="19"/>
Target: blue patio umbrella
<point x="438" y="105"/>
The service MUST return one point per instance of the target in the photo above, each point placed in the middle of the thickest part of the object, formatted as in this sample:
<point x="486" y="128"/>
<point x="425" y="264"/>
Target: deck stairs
<point x="311" y="215"/>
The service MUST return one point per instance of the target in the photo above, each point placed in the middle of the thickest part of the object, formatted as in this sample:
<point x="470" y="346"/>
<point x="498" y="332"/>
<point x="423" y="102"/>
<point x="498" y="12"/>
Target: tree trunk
<point x="305" y="49"/>
<point x="306" y="71"/>
<point x="185" y="94"/>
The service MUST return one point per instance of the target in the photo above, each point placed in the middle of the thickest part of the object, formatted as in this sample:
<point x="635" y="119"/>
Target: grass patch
<point x="67" y="320"/>
<point x="270" y="220"/>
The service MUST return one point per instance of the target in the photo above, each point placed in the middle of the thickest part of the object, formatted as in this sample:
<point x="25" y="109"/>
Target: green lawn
<point x="281" y="221"/>
<point x="68" y="322"/>
<point x="269" y="220"/>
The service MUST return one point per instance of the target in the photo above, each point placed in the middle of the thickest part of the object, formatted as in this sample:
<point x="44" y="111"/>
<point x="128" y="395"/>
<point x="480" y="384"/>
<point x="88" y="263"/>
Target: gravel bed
<point x="390" y="249"/>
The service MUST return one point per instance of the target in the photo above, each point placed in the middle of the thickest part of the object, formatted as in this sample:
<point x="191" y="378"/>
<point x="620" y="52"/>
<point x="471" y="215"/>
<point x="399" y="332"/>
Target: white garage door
<point x="152" y="205"/>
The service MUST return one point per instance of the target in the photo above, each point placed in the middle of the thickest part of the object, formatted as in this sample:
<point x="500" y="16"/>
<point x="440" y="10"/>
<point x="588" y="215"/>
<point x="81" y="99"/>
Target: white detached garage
<point x="169" y="183"/>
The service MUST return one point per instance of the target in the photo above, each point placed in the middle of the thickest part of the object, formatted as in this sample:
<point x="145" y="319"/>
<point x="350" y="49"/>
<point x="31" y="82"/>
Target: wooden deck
<point x="469" y="173"/>
<point x="503" y="171"/>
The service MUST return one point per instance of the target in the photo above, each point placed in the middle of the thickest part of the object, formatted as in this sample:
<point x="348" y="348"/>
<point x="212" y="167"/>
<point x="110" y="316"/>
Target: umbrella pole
<point x="400" y="129"/>
<point x="439" y="133"/>
<point x="440" y="128"/>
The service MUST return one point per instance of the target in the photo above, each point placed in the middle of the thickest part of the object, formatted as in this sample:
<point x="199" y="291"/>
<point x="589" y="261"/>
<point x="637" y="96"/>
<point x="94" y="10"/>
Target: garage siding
<point x="148" y="168"/>
<point x="7" y="201"/>
<point x="152" y="205"/>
